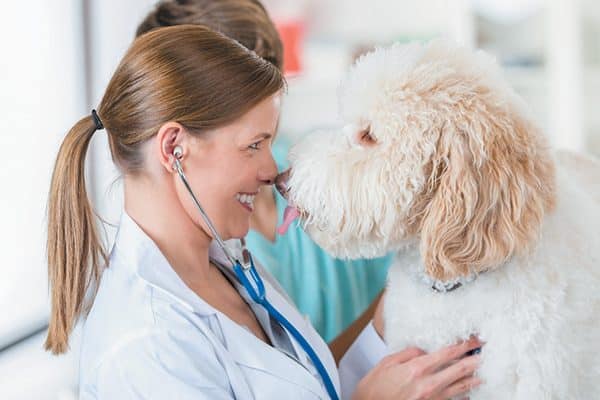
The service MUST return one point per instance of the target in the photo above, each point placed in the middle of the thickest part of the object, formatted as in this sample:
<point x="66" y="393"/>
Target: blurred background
<point x="58" y="56"/>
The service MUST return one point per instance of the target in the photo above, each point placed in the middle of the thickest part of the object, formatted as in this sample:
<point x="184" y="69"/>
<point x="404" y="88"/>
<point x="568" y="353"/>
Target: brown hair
<point x="246" y="21"/>
<point x="186" y="73"/>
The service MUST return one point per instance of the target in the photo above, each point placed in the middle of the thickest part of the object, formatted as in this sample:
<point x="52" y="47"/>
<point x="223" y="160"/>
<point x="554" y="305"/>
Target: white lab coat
<point x="148" y="336"/>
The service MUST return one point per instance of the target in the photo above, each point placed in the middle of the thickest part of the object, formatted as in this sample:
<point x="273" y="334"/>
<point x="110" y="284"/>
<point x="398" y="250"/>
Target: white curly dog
<point x="495" y="235"/>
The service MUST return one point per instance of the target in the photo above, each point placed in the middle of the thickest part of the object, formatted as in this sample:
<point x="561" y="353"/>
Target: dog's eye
<point x="365" y="138"/>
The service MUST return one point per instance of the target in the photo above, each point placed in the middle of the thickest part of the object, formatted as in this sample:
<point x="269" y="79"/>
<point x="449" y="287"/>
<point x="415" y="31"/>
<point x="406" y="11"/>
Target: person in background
<point x="332" y="292"/>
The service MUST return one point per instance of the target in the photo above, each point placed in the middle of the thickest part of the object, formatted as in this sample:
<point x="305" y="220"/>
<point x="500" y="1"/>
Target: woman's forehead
<point x="261" y="120"/>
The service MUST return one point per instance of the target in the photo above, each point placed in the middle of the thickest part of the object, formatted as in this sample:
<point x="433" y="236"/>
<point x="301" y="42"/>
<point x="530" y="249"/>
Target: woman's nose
<point x="281" y="182"/>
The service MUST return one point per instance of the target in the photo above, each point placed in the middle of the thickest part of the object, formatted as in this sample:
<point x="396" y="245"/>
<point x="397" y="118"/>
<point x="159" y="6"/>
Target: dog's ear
<point x="491" y="180"/>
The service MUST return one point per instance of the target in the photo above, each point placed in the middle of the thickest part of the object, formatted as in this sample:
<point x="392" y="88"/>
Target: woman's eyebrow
<point x="263" y="135"/>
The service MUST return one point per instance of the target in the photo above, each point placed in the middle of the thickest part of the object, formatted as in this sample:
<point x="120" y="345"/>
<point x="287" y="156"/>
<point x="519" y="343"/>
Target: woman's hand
<point x="413" y="375"/>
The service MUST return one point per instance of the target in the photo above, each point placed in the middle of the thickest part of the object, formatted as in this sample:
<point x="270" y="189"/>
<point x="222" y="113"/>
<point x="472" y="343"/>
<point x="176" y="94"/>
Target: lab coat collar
<point x="278" y="362"/>
<point x="135" y="249"/>
<point x="281" y="368"/>
<point x="242" y="345"/>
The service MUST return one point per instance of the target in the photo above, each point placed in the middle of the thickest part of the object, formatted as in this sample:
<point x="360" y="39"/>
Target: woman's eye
<point x="254" y="146"/>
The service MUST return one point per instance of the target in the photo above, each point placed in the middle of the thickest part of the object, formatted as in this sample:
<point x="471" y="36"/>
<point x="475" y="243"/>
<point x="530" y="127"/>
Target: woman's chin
<point x="240" y="231"/>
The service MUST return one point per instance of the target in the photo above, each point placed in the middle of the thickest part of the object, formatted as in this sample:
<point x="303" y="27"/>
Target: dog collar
<point x="442" y="287"/>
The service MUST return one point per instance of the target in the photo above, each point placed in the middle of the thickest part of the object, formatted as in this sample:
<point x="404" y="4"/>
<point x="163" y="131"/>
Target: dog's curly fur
<point x="440" y="162"/>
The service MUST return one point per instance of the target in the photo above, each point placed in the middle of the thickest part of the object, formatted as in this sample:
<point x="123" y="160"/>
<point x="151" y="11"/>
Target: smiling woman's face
<point x="227" y="166"/>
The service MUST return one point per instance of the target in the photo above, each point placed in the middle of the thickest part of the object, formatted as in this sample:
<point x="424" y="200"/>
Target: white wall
<point x="41" y="97"/>
<point x="45" y="89"/>
<point x="113" y="24"/>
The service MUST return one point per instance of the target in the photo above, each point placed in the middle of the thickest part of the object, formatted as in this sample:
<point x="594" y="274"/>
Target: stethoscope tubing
<point x="258" y="294"/>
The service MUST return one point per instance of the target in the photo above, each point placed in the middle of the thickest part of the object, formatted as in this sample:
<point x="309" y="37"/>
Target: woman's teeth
<point x="247" y="199"/>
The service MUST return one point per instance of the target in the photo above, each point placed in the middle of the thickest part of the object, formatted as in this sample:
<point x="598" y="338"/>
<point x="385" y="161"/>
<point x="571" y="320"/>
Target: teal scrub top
<point x="330" y="291"/>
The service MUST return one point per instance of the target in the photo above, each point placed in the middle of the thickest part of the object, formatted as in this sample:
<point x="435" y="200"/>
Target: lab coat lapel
<point x="306" y="329"/>
<point x="140" y="251"/>
<point x="293" y="315"/>
<point x="133" y="247"/>
<point x="248" y="351"/>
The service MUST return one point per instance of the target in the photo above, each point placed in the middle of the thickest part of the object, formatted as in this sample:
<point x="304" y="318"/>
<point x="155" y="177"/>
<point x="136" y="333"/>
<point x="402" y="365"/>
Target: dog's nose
<point x="281" y="182"/>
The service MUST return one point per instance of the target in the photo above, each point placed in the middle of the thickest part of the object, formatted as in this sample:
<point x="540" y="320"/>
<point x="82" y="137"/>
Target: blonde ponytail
<point x="75" y="252"/>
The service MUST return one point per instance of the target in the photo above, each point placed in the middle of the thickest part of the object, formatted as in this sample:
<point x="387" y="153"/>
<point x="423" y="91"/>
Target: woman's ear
<point x="170" y="135"/>
<point x="491" y="190"/>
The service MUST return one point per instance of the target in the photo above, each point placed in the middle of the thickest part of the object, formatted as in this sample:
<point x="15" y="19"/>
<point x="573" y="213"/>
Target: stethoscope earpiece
<point x="178" y="152"/>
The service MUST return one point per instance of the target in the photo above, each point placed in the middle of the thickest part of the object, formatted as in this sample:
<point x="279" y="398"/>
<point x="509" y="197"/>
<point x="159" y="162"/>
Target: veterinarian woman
<point x="190" y="115"/>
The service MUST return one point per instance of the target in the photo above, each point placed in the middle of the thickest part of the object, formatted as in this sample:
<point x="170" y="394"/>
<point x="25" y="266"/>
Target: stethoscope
<point x="256" y="290"/>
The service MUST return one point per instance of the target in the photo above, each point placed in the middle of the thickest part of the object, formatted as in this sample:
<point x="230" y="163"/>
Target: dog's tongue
<point x="289" y="215"/>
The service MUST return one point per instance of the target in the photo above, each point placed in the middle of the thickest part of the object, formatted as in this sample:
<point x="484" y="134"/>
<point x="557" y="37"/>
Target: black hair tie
<point x="97" y="121"/>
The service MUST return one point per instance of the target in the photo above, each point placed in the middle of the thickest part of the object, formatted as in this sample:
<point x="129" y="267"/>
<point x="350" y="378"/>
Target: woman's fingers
<point x="463" y="386"/>
<point x="439" y="359"/>
<point x="455" y="372"/>
<point x="403" y="356"/>
<point x="411" y="373"/>
<point x="433" y="385"/>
